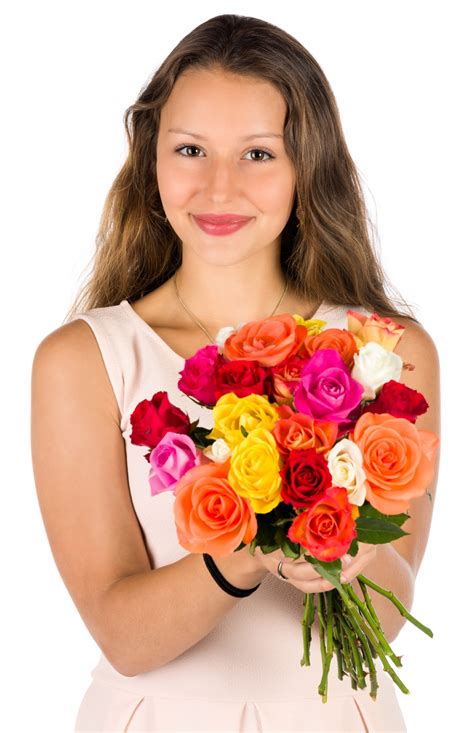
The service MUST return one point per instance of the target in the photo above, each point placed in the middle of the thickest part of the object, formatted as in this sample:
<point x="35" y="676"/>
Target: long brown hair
<point x="326" y="251"/>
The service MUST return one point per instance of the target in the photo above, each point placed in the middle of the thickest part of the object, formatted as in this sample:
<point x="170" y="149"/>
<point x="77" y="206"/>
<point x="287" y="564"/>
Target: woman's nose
<point x="221" y="178"/>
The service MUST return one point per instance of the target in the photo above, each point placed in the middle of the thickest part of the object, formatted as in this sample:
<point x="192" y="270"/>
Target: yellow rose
<point x="313" y="325"/>
<point x="254" y="470"/>
<point x="230" y="413"/>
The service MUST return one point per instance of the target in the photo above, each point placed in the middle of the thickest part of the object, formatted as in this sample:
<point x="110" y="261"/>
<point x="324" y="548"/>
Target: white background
<point x="402" y="76"/>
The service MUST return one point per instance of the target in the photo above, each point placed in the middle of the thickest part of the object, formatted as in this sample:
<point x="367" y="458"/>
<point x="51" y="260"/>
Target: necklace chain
<point x="198" y="322"/>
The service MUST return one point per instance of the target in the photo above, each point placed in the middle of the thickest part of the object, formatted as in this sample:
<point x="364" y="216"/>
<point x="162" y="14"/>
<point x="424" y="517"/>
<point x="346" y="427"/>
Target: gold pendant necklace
<point x="198" y="322"/>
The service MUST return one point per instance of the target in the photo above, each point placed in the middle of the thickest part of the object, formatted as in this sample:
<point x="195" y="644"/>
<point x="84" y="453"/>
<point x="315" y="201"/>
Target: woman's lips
<point x="220" y="225"/>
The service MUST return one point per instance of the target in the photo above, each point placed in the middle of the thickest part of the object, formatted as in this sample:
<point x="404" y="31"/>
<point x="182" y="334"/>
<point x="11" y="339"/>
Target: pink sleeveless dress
<point x="245" y="675"/>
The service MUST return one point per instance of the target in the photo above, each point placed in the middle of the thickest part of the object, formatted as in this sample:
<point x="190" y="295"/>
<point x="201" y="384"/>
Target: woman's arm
<point x="395" y="565"/>
<point x="79" y="464"/>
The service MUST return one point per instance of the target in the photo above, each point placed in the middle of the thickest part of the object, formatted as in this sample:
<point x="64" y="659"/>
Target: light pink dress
<point x="245" y="675"/>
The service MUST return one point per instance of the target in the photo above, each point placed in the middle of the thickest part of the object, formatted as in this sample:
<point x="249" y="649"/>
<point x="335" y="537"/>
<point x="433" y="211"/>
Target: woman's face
<point x="220" y="150"/>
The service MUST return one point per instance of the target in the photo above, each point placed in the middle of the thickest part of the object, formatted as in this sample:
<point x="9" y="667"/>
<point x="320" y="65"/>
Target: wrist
<point x="239" y="569"/>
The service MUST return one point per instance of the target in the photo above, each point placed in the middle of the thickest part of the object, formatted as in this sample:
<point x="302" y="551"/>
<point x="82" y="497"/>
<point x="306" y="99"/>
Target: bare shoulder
<point x="416" y="342"/>
<point x="71" y="353"/>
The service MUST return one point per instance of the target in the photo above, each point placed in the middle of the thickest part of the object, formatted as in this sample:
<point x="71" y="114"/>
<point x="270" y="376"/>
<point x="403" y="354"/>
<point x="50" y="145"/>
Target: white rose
<point x="345" y="466"/>
<point x="223" y="334"/>
<point x="218" y="452"/>
<point x="373" y="366"/>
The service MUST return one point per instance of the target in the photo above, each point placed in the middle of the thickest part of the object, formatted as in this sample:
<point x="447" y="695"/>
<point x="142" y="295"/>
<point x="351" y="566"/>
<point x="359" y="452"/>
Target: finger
<point x="358" y="563"/>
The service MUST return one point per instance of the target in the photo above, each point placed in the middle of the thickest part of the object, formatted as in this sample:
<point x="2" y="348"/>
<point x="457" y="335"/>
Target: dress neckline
<point x="323" y="308"/>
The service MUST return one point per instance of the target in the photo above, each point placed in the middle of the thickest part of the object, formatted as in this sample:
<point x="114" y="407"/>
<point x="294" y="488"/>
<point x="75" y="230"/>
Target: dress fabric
<point x="245" y="675"/>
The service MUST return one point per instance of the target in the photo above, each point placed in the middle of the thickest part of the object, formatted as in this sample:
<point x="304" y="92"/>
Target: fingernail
<point x="343" y="578"/>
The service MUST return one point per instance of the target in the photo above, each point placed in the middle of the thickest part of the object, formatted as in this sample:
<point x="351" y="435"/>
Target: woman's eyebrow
<point x="202" y="137"/>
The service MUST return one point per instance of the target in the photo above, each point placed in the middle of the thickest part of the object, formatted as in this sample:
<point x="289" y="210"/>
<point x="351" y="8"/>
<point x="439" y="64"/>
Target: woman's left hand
<point x="304" y="576"/>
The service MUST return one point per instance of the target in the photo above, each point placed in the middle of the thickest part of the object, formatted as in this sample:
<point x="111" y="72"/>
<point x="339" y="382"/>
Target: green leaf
<point x="291" y="549"/>
<point x="328" y="570"/>
<point x="243" y="431"/>
<point x="377" y="531"/>
<point x="269" y="548"/>
<point x="354" y="548"/>
<point x="367" y="510"/>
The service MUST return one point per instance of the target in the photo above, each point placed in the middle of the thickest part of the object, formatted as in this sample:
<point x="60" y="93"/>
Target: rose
<point x="286" y="377"/>
<point x="333" y="338"/>
<point x="270" y="341"/>
<point x="218" y="451"/>
<point x="243" y="377"/>
<point x="169" y="460"/>
<point x="232" y="413"/>
<point x="398" y="460"/>
<point x="382" y="331"/>
<point x="209" y="515"/>
<point x="299" y="431"/>
<point x="327" y="528"/>
<point x="399" y="400"/>
<point x="199" y="373"/>
<point x="152" y="419"/>
<point x="254" y="470"/>
<point x="305" y="476"/>
<point x="373" y="366"/>
<point x="345" y="466"/>
<point x="327" y="390"/>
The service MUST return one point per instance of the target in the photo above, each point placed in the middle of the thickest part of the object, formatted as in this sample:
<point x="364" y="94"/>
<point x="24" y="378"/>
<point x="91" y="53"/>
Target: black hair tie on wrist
<point x="223" y="583"/>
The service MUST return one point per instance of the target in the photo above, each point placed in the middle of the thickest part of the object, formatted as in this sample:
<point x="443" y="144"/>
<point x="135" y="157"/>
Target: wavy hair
<point x="326" y="251"/>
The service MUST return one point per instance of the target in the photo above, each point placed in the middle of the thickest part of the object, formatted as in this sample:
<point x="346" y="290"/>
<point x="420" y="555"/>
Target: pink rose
<point x="174" y="455"/>
<point x="198" y="378"/>
<point x="326" y="390"/>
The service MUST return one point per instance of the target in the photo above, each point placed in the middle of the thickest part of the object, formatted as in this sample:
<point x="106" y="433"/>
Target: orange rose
<point x="209" y="515"/>
<point x="398" y="460"/>
<point x="328" y="527"/>
<point x="269" y="341"/>
<point x="299" y="431"/>
<point x="383" y="331"/>
<point x="333" y="338"/>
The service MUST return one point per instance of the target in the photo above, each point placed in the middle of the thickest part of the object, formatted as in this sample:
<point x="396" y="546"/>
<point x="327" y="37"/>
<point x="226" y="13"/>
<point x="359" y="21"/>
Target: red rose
<point x="328" y="527"/>
<point x="152" y="419"/>
<point x="243" y="377"/>
<point x="305" y="475"/>
<point x="398" y="400"/>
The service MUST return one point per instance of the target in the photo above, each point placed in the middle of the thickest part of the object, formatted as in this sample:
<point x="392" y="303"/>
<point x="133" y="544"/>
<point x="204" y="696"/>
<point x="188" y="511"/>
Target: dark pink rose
<point x="326" y="390"/>
<point x="198" y="378"/>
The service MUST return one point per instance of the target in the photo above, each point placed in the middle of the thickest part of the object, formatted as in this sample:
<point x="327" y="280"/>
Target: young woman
<point x="238" y="200"/>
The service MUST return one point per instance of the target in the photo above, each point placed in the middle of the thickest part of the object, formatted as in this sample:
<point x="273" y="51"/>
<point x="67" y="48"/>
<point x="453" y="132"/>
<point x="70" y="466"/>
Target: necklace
<point x="198" y="322"/>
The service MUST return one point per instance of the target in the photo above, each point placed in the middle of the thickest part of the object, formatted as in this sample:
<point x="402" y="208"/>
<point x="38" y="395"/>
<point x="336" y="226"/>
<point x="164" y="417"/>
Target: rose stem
<point x="323" y="685"/>
<point x="375" y="626"/>
<point x="347" y="654"/>
<point x="355" y="654"/>
<point x="363" y="628"/>
<point x="392" y="597"/>
<point x="306" y="624"/>
<point x="338" y="645"/>
<point x="370" y="664"/>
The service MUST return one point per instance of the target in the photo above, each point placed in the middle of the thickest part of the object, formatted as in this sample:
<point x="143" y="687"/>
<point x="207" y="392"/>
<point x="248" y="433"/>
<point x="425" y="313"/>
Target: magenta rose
<point x="151" y="419"/>
<point x="198" y="378"/>
<point x="174" y="455"/>
<point x="326" y="390"/>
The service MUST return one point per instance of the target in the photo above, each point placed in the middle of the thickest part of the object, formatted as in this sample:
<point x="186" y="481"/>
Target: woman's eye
<point x="254" y="150"/>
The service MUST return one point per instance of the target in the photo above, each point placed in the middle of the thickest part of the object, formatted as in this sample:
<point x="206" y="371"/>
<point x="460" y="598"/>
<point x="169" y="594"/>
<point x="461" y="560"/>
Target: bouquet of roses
<point x="303" y="418"/>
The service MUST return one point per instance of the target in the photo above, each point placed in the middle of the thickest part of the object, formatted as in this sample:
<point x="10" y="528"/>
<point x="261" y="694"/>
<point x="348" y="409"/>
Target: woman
<point x="238" y="200"/>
